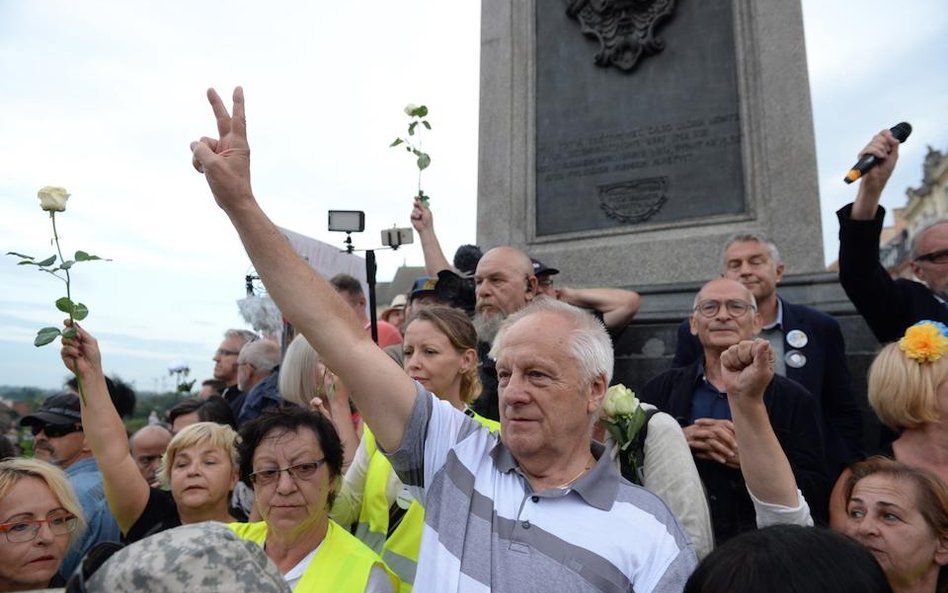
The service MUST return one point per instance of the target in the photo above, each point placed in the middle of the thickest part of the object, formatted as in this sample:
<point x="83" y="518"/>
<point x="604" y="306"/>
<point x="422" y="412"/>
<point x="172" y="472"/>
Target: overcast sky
<point x="104" y="97"/>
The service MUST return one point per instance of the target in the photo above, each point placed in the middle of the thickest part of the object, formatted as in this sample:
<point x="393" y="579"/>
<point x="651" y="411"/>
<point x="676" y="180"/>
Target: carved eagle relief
<point x="625" y="28"/>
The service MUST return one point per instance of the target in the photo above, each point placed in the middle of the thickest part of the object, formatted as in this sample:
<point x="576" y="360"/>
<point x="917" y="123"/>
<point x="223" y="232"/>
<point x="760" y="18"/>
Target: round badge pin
<point x="797" y="338"/>
<point x="795" y="359"/>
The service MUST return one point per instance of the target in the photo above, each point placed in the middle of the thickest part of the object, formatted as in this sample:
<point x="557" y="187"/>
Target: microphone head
<point x="901" y="131"/>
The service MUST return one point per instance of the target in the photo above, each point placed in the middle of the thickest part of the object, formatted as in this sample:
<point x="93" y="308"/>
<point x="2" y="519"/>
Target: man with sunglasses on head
<point x="725" y="313"/>
<point x="59" y="440"/>
<point x="890" y="306"/>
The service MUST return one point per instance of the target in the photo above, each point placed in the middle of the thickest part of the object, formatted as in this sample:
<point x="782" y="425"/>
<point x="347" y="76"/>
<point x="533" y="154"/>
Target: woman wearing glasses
<point x="293" y="459"/>
<point x="39" y="518"/>
<point x="200" y="464"/>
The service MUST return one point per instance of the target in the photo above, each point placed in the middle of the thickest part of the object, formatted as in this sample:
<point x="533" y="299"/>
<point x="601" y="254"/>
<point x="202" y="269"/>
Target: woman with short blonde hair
<point x="40" y="519"/>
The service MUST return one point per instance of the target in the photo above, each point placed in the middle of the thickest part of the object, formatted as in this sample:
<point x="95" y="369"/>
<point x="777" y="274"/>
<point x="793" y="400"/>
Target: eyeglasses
<point x="935" y="257"/>
<point x="54" y="431"/>
<point x="222" y="352"/>
<point x="735" y="307"/>
<point x="300" y="471"/>
<point x="24" y="531"/>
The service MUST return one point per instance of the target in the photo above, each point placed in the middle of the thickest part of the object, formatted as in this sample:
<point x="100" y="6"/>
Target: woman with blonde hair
<point x="440" y="347"/>
<point x="908" y="390"/>
<point x="39" y="519"/>
<point x="200" y="464"/>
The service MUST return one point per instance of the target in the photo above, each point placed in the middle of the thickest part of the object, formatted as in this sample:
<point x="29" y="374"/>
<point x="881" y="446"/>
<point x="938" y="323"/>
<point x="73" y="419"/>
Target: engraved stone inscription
<point x="662" y="147"/>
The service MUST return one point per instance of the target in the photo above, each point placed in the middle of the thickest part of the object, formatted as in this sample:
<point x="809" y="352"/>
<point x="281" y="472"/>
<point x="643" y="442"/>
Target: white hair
<point x="589" y="343"/>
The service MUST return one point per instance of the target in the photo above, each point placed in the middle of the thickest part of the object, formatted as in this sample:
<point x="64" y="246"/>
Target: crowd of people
<point x="467" y="448"/>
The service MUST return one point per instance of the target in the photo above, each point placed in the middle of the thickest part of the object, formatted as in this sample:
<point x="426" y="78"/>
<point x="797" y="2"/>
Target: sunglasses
<point x="55" y="430"/>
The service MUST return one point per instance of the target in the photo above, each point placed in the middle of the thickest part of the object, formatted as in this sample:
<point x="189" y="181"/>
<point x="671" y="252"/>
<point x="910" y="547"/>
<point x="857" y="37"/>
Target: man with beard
<point x="59" y="440"/>
<point x="890" y="306"/>
<point x="504" y="283"/>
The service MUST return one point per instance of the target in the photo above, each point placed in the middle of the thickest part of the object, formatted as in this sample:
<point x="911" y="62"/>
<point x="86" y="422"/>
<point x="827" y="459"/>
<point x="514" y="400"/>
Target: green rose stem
<point x="71" y="332"/>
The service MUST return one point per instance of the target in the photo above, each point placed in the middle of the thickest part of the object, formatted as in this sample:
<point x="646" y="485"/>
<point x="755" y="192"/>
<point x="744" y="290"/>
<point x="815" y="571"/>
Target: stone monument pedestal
<point x="634" y="178"/>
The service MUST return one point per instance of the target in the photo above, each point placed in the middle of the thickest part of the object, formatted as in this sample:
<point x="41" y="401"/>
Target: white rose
<point x="53" y="199"/>
<point x="620" y="400"/>
<point x="410" y="108"/>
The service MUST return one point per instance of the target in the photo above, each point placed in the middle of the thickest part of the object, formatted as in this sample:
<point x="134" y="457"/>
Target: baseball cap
<point x="424" y="286"/>
<point x="58" y="409"/>
<point x="539" y="268"/>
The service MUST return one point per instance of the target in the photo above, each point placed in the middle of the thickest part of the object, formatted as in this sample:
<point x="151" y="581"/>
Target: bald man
<point x="147" y="445"/>
<point x="504" y="283"/>
<point x="725" y="313"/>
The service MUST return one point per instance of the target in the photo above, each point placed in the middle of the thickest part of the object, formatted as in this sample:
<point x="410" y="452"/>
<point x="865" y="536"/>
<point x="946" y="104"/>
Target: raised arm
<point x="125" y="489"/>
<point x="618" y="306"/>
<point x="747" y="369"/>
<point x="885" y="147"/>
<point x="383" y="393"/>
<point x="421" y="219"/>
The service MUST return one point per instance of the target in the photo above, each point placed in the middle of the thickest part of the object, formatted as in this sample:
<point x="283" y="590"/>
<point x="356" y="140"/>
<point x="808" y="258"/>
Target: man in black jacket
<point x="725" y="313"/>
<point x="890" y="306"/>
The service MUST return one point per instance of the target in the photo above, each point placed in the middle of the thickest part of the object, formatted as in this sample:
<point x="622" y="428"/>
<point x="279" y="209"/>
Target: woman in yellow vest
<point x="293" y="458"/>
<point x="440" y="348"/>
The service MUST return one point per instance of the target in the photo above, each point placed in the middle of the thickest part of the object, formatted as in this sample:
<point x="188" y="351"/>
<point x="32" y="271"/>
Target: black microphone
<point x="900" y="131"/>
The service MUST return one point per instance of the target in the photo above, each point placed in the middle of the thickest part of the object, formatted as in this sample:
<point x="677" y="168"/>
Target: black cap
<point x="540" y="269"/>
<point x="59" y="409"/>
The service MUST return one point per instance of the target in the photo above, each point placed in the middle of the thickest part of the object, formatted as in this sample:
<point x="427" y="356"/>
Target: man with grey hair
<point x="808" y="345"/>
<point x="258" y="375"/>
<point x="725" y="314"/>
<point x="225" y="365"/>
<point x="890" y="306"/>
<point x="537" y="507"/>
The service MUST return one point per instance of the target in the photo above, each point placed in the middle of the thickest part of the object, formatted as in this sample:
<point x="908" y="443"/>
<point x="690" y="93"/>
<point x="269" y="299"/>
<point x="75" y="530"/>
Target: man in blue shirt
<point x="725" y="313"/>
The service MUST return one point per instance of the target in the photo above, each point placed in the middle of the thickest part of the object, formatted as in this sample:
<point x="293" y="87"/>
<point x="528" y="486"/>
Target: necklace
<point x="576" y="477"/>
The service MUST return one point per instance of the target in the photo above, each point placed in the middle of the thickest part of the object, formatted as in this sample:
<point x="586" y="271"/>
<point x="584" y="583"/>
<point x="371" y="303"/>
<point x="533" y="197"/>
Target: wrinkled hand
<point x="713" y="440"/>
<point x="421" y="218"/>
<point x="885" y="147"/>
<point x="225" y="161"/>
<point x="81" y="354"/>
<point x="746" y="369"/>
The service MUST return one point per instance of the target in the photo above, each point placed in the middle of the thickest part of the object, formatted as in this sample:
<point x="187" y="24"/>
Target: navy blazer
<point x="795" y="417"/>
<point x="888" y="306"/>
<point x="825" y="375"/>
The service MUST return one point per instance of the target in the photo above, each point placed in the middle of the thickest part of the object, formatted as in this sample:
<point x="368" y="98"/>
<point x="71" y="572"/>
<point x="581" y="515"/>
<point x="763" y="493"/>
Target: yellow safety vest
<point x="400" y="551"/>
<point x="342" y="564"/>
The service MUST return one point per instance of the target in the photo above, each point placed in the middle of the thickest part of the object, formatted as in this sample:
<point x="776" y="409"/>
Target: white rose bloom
<point x="53" y="199"/>
<point x="409" y="108"/>
<point x="620" y="400"/>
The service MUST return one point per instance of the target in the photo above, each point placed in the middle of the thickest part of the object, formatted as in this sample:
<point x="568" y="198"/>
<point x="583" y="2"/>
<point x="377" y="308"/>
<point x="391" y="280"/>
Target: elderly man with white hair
<point x="538" y="508"/>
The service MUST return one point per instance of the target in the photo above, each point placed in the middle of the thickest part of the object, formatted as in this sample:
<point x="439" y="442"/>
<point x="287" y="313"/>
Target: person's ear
<point x="597" y="392"/>
<point x="941" y="551"/>
<point x="531" y="286"/>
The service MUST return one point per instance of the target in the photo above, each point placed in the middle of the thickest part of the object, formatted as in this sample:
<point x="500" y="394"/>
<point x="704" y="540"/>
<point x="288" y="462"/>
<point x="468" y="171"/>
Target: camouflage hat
<point x="196" y="558"/>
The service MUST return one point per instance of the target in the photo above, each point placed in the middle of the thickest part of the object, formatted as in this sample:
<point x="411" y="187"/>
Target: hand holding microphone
<point x="900" y="132"/>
